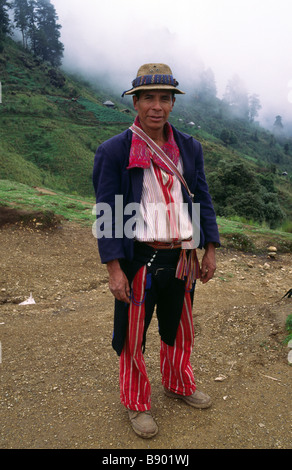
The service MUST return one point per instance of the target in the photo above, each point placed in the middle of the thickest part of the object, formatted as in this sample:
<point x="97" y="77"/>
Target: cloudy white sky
<point x="250" y="38"/>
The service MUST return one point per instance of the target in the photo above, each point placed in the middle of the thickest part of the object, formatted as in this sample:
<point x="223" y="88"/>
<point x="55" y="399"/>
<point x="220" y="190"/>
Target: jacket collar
<point x="189" y="169"/>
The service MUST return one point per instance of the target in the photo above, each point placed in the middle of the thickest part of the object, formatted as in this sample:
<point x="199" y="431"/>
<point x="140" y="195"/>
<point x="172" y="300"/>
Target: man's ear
<point x="135" y="99"/>
<point x="173" y="101"/>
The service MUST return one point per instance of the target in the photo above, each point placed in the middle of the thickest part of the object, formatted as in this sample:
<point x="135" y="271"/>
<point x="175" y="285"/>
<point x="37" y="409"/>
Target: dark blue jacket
<point x="111" y="178"/>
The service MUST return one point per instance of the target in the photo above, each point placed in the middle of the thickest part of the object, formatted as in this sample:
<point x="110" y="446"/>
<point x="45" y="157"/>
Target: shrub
<point x="240" y="241"/>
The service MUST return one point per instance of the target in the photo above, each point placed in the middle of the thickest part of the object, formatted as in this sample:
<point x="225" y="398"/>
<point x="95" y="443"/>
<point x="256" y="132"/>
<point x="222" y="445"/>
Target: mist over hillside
<point x="53" y="118"/>
<point x="248" y="39"/>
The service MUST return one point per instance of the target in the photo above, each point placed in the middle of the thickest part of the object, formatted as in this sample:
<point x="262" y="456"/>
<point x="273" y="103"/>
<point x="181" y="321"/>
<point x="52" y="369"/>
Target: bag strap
<point x="161" y="154"/>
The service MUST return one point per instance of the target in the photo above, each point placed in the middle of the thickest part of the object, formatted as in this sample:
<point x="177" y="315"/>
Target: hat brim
<point x="154" y="87"/>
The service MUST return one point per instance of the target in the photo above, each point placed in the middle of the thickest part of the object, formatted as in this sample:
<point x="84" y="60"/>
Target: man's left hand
<point x="208" y="267"/>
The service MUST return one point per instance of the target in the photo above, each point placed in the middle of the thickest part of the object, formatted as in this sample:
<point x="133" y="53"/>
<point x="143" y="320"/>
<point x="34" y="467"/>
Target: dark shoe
<point x="143" y="423"/>
<point x="197" y="399"/>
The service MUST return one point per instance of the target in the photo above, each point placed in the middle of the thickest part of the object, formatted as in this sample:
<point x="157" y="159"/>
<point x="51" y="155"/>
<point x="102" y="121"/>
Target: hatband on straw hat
<point x="154" y="77"/>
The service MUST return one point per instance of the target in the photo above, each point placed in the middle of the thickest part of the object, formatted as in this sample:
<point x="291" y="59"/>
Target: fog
<point x="248" y="38"/>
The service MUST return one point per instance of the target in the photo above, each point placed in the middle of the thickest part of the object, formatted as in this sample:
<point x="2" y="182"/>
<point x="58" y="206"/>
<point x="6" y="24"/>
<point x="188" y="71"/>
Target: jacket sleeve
<point x="199" y="187"/>
<point x="194" y="173"/>
<point x="107" y="186"/>
<point x="208" y="222"/>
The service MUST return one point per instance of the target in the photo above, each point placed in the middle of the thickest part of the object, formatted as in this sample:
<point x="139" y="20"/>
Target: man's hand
<point x="208" y="267"/>
<point x="118" y="282"/>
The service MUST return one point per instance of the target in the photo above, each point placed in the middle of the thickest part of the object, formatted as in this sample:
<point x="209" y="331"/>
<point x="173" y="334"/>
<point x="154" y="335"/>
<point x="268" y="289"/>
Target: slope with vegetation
<point x="51" y="124"/>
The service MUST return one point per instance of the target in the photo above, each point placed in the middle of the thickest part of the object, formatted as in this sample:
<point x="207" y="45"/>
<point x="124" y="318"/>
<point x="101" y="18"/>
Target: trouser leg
<point x="135" y="390"/>
<point x="177" y="373"/>
<point x="176" y="370"/>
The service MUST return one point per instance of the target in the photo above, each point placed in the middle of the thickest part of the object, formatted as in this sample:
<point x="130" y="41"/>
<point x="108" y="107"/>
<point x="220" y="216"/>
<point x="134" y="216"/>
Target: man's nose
<point x="157" y="104"/>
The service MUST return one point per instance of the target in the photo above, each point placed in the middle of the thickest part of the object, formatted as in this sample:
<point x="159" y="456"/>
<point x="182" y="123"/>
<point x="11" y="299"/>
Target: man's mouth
<point x="156" y="118"/>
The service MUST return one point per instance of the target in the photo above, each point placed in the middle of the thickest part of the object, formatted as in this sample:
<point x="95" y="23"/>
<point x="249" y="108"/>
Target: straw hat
<point x="154" y="77"/>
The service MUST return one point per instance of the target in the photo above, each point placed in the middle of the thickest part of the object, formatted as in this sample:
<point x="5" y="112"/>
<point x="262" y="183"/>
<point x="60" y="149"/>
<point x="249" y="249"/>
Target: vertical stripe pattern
<point x="135" y="389"/>
<point x="162" y="189"/>
<point x="176" y="370"/>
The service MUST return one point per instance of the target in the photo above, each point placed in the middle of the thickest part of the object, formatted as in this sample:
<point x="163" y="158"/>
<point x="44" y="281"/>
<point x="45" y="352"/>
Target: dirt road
<point x="59" y="374"/>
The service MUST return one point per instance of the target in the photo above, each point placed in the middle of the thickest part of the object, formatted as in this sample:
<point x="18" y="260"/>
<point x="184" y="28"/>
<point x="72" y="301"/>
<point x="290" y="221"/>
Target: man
<point x="153" y="265"/>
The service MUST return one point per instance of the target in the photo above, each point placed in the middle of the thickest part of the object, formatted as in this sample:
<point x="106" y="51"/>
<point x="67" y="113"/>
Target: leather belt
<point x="164" y="245"/>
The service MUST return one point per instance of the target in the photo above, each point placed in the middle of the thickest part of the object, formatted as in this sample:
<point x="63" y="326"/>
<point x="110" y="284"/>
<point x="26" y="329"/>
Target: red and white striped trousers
<point x="176" y="370"/>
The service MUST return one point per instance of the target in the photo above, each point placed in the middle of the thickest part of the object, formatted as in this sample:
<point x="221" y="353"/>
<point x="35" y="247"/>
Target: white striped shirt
<point x="163" y="215"/>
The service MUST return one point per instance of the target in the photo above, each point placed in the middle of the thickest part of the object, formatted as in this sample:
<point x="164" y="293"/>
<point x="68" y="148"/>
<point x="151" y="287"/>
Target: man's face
<point x="153" y="108"/>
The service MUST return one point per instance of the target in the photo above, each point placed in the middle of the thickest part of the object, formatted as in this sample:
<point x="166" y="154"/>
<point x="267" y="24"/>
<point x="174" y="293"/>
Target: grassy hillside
<point x="51" y="125"/>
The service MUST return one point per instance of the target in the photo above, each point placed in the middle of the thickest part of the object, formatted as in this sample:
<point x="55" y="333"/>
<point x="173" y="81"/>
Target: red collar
<point x="141" y="155"/>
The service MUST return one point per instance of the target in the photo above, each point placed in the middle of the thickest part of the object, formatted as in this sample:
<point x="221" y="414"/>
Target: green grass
<point x="235" y="234"/>
<point x="46" y="138"/>
<point x="252" y="237"/>
<point x="21" y="196"/>
<point x="55" y="150"/>
<point x="288" y="326"/>
<point x="104" y="114"/>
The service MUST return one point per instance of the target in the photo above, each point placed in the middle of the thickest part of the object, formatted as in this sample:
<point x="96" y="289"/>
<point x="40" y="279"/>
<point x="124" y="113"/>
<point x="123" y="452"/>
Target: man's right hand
<point x="118" y="282"/>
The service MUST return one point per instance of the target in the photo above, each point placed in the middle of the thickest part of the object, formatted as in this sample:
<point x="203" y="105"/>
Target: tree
<point x="206" y="89"/>
<point x="47" y="34"/>
<point x="32" y="25"/>
<point x="4" y="21"/>
<point x="21" y="18"/>
<point x="237" y="190"/>
<point x="228" y="137"/>
<point x="274" y="215"/>
<point x="254" y="107"/>
<point x="278" y="125"/>
<point x="237" y="98"/>
<point x="37" y="21"/>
